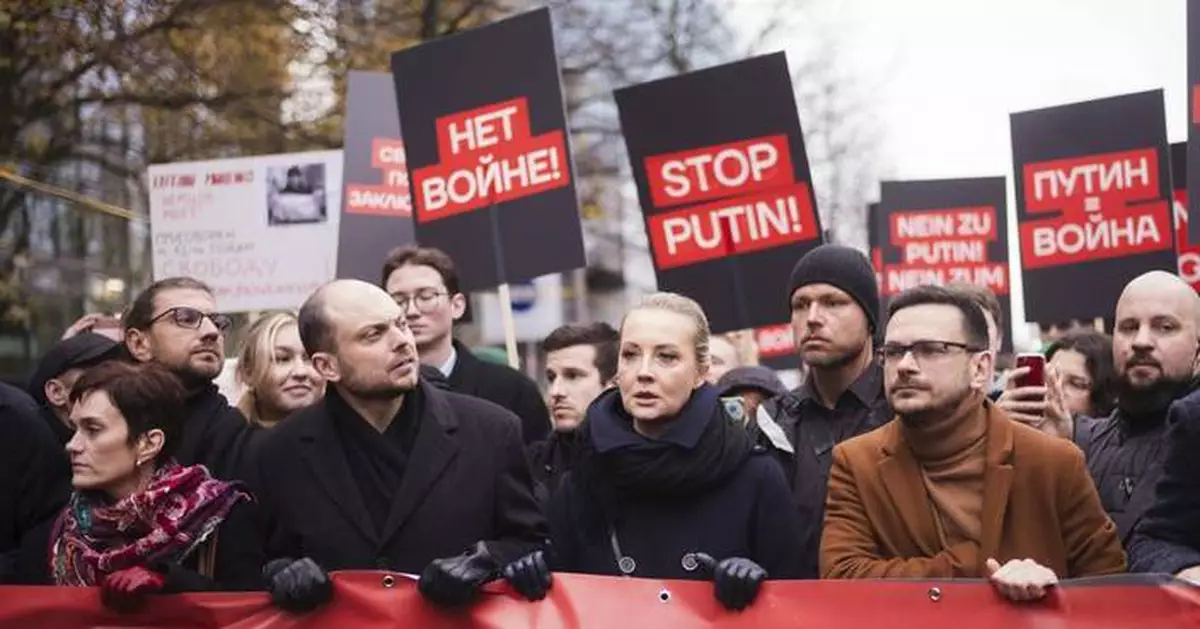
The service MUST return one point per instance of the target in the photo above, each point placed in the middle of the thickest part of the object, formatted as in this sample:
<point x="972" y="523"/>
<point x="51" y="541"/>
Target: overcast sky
<point x="942" y="76"/>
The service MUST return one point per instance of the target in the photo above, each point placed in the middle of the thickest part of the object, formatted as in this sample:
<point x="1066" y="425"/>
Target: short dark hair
<point x="1097" y="351"/>
<point x="974" y="323"/>
<point x="141" y="311"/>
<point x="411" y="255"/>
<point x="984" y="298"/>
<point x="599" y="335"/>
<point x="148" y="395"/>
<point x="312" y="322"/>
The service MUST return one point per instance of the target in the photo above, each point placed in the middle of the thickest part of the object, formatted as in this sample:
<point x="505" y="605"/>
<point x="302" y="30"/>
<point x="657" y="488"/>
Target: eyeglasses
<point x="922" y="351"/>
<point x="191" y="318"/>
<point x="426" y="300"/>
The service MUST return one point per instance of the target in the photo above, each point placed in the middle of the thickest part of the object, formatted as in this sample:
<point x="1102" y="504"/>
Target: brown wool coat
<point x="1039" y="503"/>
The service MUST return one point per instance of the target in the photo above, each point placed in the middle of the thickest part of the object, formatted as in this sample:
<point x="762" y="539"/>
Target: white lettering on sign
<point x="1072" y="238"/>
<point x="1090" y="179"/>
<point x="729" y="168"/>
<point x="479" y="132"/>
<point x="761" y="220"/>
<point x="945" y="251"/>
<point x="490" y="178"/>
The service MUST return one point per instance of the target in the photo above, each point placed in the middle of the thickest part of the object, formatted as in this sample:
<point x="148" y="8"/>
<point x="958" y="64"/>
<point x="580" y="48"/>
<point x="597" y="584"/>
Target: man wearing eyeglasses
<point x="954" y="488"/>
<point x="175" y="323"/>
<point x="424" y="283"/>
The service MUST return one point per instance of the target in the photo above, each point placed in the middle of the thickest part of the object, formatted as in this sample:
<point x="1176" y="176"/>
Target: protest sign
<point x="261" y="231"/>
<point x="1193" y="107"/>
<point x="876" y="228"/>
<point x="377" y="213"/>
<point x="1189" y="254"/>
<point x="1093" y="201"/>
<point x="776" y="346"/>
<point x="944" y="231"/>
<point x="724" y="185"/>
<point x="489" y="158"/>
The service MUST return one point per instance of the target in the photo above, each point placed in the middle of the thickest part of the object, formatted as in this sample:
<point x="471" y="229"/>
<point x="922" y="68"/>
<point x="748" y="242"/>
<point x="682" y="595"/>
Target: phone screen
<point x="1037" y="370"/>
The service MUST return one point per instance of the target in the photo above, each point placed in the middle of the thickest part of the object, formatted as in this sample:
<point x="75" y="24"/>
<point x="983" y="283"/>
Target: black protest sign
<point x="1093" y="203"/>
<point x="377" y="209"/>
<point x="876" y="227"/>
<point x="944" y="231"/>
<point x="1189" y="253"/>
<point x="724" y="184"/>
<point x="1193" y="109"/>
<point x="488" y="156"/>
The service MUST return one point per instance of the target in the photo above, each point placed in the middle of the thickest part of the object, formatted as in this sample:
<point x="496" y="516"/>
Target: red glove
<point x="126" y="590"/>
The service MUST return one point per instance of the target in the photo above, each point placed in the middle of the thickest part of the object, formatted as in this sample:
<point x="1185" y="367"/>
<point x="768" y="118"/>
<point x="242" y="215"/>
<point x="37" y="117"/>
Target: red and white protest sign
<point x="1110" y="207"/>
<point x="737" y="198"/>
<point x="390" y="198"/>
<point x="943" y="246"/>
<point x="775" y="342"/>
<point x="488" y="156"/>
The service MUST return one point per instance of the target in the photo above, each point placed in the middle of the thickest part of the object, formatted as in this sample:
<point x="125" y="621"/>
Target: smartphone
<point x="1037" y="370"/>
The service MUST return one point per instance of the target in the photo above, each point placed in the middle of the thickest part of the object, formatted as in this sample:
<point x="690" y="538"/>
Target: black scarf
<point x="618" y="463"/>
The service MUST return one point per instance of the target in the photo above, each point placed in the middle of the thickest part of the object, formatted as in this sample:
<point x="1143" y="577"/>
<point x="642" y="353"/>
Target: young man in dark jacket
<point x="424" y="282"/>
<point x="835" y="309"/>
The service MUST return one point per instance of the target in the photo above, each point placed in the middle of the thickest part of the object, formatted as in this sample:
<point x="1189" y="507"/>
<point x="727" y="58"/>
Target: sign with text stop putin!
<point x="724" y="185"/>
<point x="1093" y="191"/>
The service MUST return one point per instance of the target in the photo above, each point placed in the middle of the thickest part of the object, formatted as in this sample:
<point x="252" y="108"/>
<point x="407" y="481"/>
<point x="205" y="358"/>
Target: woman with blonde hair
<point x="274" y="371"/>
<point x="668" y="485"/>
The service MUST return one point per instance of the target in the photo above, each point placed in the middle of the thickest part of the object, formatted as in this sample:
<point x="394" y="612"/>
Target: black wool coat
<point x="505" y="386"/>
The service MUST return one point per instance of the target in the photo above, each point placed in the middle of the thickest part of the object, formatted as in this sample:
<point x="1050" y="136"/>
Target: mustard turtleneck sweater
<point x="951" y="453"/>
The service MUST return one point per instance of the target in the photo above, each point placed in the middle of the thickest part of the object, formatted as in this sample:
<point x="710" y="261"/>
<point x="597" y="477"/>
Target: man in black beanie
<point x="834" y="301"/>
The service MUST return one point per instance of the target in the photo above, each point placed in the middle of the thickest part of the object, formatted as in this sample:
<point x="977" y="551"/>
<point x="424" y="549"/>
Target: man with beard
<point x="954" y="488"/>
<point x="175" y="323"/>
<point x="388" y="472"/>
<point x="1156" y="338"/>
<point x="834" y="302"/>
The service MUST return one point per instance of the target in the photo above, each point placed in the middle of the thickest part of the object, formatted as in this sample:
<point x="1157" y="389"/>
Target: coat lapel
<point x="436" y="446"/>
<point x="901" y="476"/>
<point x="464" y="378"/>
<point x="997" y="482"/>
<point x="322" y="450"/>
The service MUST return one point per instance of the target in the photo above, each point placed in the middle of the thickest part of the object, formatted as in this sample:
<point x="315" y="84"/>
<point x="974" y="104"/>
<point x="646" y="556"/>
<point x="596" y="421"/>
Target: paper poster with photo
<point x="1093" y="193"/>
<point x="1189" y="253"/>
<point x="488" y="151"/>
<point x="261" y="231"/>
<point x="724" y="185"/>
<point x="946" y="231"/>
<point x="377" y="209"/>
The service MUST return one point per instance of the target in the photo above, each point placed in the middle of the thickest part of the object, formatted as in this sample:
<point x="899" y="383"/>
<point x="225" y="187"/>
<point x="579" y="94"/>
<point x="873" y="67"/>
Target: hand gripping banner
<point x="370" y="600"/>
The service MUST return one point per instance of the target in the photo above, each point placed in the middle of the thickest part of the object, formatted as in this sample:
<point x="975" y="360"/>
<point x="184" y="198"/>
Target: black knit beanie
<point x="844" y="267"/>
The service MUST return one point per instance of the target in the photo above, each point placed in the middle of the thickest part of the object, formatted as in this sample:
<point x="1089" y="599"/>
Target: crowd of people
<point x="368" y="437"/>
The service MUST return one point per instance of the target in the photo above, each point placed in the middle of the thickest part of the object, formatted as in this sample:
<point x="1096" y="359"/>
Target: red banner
<point x="376" y="600"/>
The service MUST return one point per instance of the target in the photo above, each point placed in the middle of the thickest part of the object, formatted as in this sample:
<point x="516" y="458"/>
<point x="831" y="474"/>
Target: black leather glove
<point x="736" y="579"/>
<point x="529" y="575"/>
<point x="297" y="585"/>
<point x="455" y="581"/>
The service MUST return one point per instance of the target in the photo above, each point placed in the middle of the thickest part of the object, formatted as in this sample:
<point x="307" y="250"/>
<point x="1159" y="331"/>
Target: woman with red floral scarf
<point x="139" y="523"/>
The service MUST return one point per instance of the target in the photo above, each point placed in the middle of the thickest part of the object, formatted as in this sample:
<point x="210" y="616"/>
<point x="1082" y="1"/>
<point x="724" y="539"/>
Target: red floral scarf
<point x="165" y="522"/>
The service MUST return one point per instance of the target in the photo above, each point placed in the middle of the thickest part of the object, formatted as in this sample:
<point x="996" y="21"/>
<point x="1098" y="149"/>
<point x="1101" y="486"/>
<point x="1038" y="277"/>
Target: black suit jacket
<point x="505" y="386"/>
<point x="466" y="480"/>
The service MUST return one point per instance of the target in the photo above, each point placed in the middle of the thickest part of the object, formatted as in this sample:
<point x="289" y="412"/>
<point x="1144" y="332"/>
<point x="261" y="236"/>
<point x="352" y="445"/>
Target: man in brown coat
<point x="955" y="488"/>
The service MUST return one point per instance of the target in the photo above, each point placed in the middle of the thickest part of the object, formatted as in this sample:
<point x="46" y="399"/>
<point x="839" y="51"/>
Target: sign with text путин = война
<point x="1093" y="202"/>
